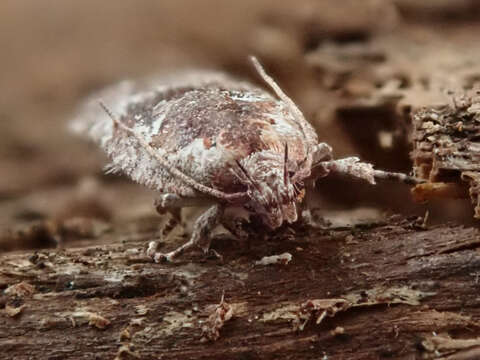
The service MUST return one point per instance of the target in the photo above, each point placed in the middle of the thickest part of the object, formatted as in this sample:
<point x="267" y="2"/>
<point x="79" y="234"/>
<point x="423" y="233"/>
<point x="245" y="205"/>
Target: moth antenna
<point x="275" y="87"/>
<point x="163" y="163"/>
<point x="295" y="187"/>
<point x="251" y="180"/>
<point x="281" y="94"/>
<point x="109" y="113"/>
<point x="243" y="178"/>
<point x="247" y="175"/>
<point x="400" y="177"/>
<point x="236" y="174"/>
<point x="285" y="170"/>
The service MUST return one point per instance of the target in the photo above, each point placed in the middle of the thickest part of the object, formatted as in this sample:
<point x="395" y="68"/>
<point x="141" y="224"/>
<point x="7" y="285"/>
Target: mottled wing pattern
<point x="200" y="122"/>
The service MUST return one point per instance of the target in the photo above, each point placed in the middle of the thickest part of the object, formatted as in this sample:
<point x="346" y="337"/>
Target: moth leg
<point x="173" y="201"/>
<point x="396" y="176"/>
<point x="306" y="217"/>
<point x="322" y="152"/>
<point x="175" y="213"/>
<point x="200" y="236"/>
<point x="235" y="226"/>
<point x="172" y="204"/>
<point x="352" y="166"/>
<point x="306" y="204"/>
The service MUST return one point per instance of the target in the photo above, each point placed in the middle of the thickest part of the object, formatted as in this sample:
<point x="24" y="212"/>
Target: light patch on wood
<point x="282" y="259"/>
<point x="93" y="319"/>
<point x="12" y="311"/>
<point x="174" y="321"/>
<point x="286" y="312"/>
<point x="444" y="343"/>
<point x="318" y="309"/>
<point x="22" y="289"/>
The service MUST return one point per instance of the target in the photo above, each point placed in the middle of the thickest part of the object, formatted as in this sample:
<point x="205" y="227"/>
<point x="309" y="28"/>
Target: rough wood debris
<point x="446" y="150"/>
<point x="222" y="313"/>
<point x="442" y="346"/>
<point x="16" y="296"/>
<point x="319" y="309"/>
<point x="92" y="318"/>
<point x="155" y="311"/>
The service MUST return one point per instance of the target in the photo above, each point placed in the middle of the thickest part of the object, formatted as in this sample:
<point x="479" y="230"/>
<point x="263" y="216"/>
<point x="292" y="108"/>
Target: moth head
<point x="271" y="193"/>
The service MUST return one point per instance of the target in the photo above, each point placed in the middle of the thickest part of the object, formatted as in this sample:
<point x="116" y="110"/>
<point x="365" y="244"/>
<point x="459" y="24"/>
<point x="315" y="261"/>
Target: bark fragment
<point x="446" y="149"/>
<point x="222" y="313"/>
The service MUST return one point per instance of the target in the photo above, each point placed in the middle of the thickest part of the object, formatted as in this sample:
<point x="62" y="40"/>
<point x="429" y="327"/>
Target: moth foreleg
<point x="322" y="152"/>
<point x="352" y="166"/>
<point x="172" y="204"/>
<point x="396" y="176"/>
<point x="236" y="226"/>
<point x="307" y="205"/>
<point x="168" y="201"/>
<point x="200" y="236"/>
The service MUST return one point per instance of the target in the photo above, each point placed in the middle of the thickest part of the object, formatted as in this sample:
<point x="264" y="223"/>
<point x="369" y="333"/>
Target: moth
<point x="206" y="138"/>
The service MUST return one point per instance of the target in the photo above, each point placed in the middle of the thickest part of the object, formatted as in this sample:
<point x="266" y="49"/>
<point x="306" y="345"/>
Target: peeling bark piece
<point x="321" y="308"/>
<point x="446" y="150"/>
<point x="211" y="330"/>
<point x="473" y="179"/>
<point x="444" y="344"/>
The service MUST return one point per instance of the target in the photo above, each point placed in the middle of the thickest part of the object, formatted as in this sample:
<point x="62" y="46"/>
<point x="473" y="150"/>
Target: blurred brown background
<point x="356" y="69"/>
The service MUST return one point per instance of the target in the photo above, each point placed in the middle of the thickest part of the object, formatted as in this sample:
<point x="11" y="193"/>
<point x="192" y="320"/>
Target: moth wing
<point x="126" y="154"/>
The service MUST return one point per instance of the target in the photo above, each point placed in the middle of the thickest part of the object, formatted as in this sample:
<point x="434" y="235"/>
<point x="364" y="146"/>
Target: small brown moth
<point x="206" y="138"/>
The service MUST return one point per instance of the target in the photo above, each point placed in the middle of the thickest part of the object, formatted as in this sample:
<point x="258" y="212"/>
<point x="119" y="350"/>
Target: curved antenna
<point x="248" y="177"/>
<point x="285" y="170"/>
<point x="163" y="163"/>
<point x="284" y="97"/>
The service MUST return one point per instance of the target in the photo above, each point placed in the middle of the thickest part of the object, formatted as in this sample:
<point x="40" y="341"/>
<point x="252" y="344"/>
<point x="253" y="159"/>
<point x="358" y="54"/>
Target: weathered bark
<point x="397" y="290"/>
<point x="446" y="149"/>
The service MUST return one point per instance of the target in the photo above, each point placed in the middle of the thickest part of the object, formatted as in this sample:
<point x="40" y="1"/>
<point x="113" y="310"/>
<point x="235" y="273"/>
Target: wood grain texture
<point x="102" y="301"/>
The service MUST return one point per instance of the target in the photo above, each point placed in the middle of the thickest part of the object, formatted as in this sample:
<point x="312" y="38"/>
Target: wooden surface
<point x="410" y="286"/>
